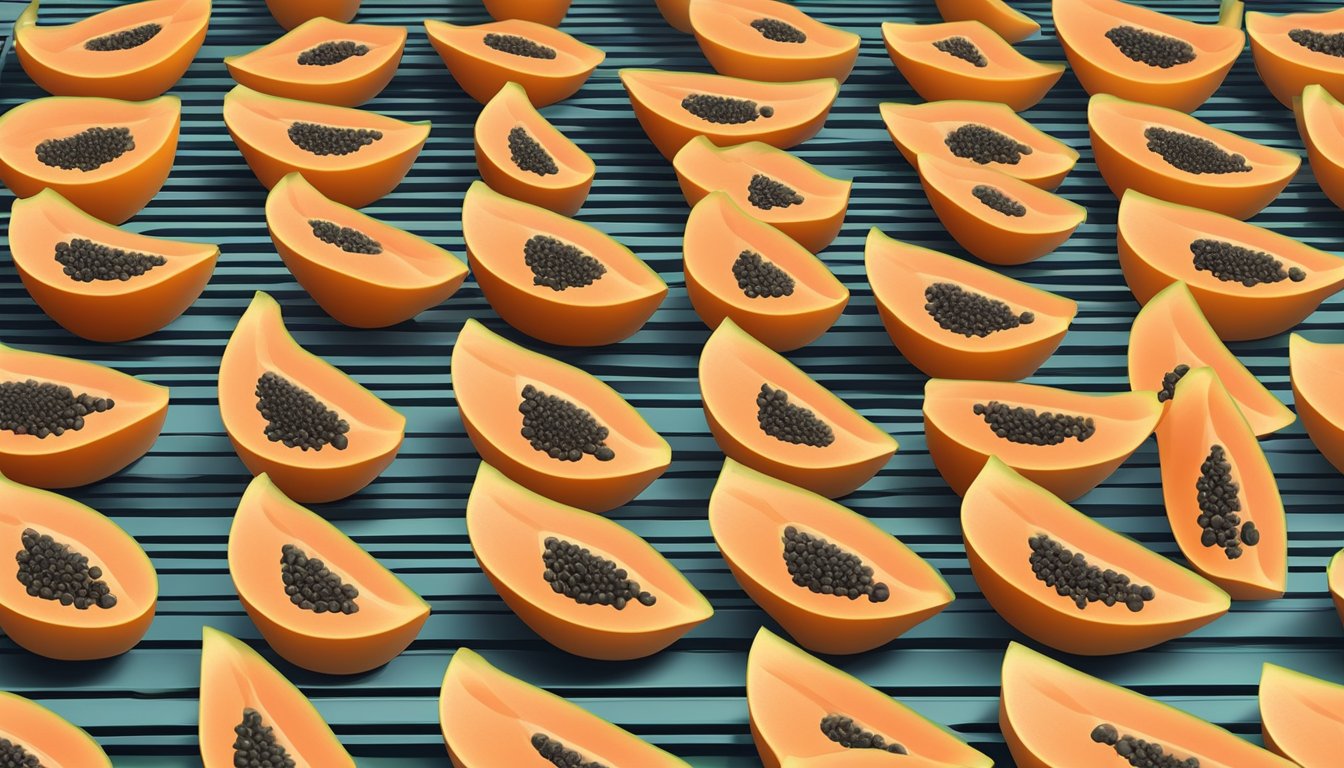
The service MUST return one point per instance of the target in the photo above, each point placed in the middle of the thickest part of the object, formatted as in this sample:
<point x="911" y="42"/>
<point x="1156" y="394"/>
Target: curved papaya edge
<point x="46" y="736"/>
<point x="1316" y="372"/>
<point x="548" y="12"/>
<point x="563" y="191"/>
<point x="1335" y="581"/>
<point x="734" y="47"/>
<point x="1319" y="115"/>
<point x="482" y="70"/>
<point x="1008" y="22"/>
<point x="1301" y="717"/>
<point x="275" y="68"/>
<point x="1287" y="67"/>
<point x="291" y="13"/>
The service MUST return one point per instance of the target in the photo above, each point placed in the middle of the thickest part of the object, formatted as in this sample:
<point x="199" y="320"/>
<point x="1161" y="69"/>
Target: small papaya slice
<point x="967" y="60"/>
<point x="121" y="419"/>
<point x="675" y="107"/>
<point x="1006" y="21"/>
<point x="1317" y="373"/>
<point x="768" y="414"/>
<point x="289" y="413"/>
<point x="548" y="12"/>
<point x="292" y="13"/>
<point x="999" y="219"/>
<point x="549" y="64"/>
<point x="1179" y="158"/>
<point x="35" y="732"/>
<point x="108" y="157"/>
<point x="1300" y="716"/>
<point x="784" y="191"/>
<point x="677" y="13"/>
<point x="325" y="61"/>
<point x="250" y="712"/>
<point x="1052" y="715"/>
<point x="772" y="534"/>
<point x="859" y="758"/>
<point x="1066" y="442"/>
<point x="1335" y="580"/>
<point x="552" y="277"/>
<point x="357" y="617"/>
<point x="770" y="40"/>
<point x="520" y="153"/>
<point x="362" y="271"/>
<point x="1320" y="121"/>
<point x="351" y="156"/>
<point x="1291" y="51"/>
<point x="739" y="267"/>
<point x="490" y="718"/>
<point x="499" y="385"/>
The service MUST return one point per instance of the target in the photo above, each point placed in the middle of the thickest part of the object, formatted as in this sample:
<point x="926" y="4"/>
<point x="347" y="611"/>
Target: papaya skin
<point x="563" y="192"/>
<point x="1300" y="716"/>
<point x="548" y="12"/>
<point x="482" y="72"/>
<point x="1286" y="67"/>
<point x="1008" y="22"/>
<point x="50" y="738"/>
<point x="734" y="48"/>
<point x="291" y="13"/>
<point x="1008" y="77"/>
<point x="274" y="68"/>
<point x="1316" y="371"/>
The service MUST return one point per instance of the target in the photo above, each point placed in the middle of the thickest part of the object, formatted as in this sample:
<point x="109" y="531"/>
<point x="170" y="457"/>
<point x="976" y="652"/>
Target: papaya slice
<point x="677" y="13"/>
<point x="861" y="758"/>
<point x="1290" y="52"/>
<point x="73" y="266"/>
<point x="770" y="40"/>
<point x="1320" y="121"/>
<point x="548" y="12"/>
<point x="967" y="60"/>
<point x="784" y="191"/>
<point x="1006" y="21"/>
<point x="250" y="711"/>
<point x="324" y="61"/>
<point x="292" y="13"/>
<point x="121" y="420"/>
<point x="35" y="732"/>
<point x="1317" y="373"/>
<point x="549" y="64"/>
<point x="494" y="379"/>
<point x="523" y="156"/>
<point x="337" y="441"/>
<point x="997" y="218"/>
<point x="351" y="156"/>
<point x="1300" y="716"/>
<point x="675" y="107"/>
<point x="1049" y="713"/>
<point x="1083" y="437"/>
<point x="767" y="529"/>
<point x="1335" y="579"/>
<point x="655" y="606"/>
<point x="356" y="618"/>
<point x="772" y="287"/>
<point x="491" y="718"/>
<point x="552" y="277"/>
<point x="362" y="271"/>
<point x="108" y="157"/>
<point x="768" y="414"/>
<point x="1179" y="158"/>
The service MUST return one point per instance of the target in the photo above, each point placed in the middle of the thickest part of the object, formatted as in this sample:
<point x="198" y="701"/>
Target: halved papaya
<point x="781" y="190"/>
<point x="349" y="615"/>
<point x="106" y="156"/>
<point x="1301" y="717"/>
<point x="121" y="418"/>
<point x="490" y="718"/>
<point x="250" y="712"/>
<point x="773" y="535"/>
<point x="677" y="13"/>
<point x="351" y="156"/>
<point x="770" y="40"/>
<point x="1176" y="157"/>
<point x="1291" y="51"/>
<point x="520" y="153"/>
<point x="362" y="271"/>
<point x="1066" y="442"/>
<point x="548" y="12"/>
<point x="1334" y="573"/>
<point x="1220" y="493"/>
<point x="1320" y="121"/>
<point x="739" y="267"/>
<point x="499" y="385"/>
<point x="1053" y="715"/>
<point x="527" y="544"/>
<point x="291" y="13"/>
<point x="1317" y="373"/>
<point x="768" y="414"/>
<point x="35" y="732"/>
<point x="675" y="107"/>
<point x="325" y="61"/>
<point x="999" y="219"/>
<point x="289" y="413"/>
<point x="967" y="60"/>
<point x="1006" y="21"/>
<point x="549" y="64"/>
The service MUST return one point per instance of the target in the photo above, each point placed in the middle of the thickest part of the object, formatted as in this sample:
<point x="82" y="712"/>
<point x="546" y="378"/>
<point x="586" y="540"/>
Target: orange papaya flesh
<point x="492" y="377"/>
<point x="790" y="297"/>
<point x="361" y="434"/>
<point x="859" y="758"/>
<point x="582" y="287"/>
<point x="46" y="736"/>
<point x="1317" y="373"/>
<point x="549" y="64"/>
<point x="991" y="69"/>
<point x="770" y="40"/>
<point x="354" y="284"/>
<point x="677" y="14"/>
<point x="754" y="517"/>
<point x="1300" y="716"/>
<point x="1286" y="65"/>
<point x="324" y="61"/>
<point x="557" y="175"/>
<point x="781" y="190"/>
<point x="1335" y="579"/>
<point x="1006" y="21"/>
<point x="548" y="12"/>
<point x="292" y="13"/>
<point x="1320" y="121"/>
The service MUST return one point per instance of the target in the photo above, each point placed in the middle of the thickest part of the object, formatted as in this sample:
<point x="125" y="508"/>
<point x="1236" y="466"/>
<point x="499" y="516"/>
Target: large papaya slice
<point x="548" y="12"/>
<point x="351" y="156"/>
<point x="348" y="613"/>
<point x="768" y="414"/>
<point x="1301" y="717"/>
<point x="289" y="413"/>
<point x="291" y="13"/>
<point x="967" y="60"/>
<point x="108" y="157"/>
<point x="362" y="271"/>
<point x="1317" y="373"/>
<point x="523" y="156"/>
<point x="739" y="267"/>
<point x="325" y="61"/>
<point x="490" y="718"/>
<point x="1176" y="157"/>
<point x="552" y="277"/>
<point x="513" y="403"/>
<point x="41" y="737"/>
<point x="778" y="539"/>
<point x="1006" y="21"/>
<point x="1294" y="50"/>
<point x="675" y="107"/>
<point x="252" y="715"/>
<point x="116" y="419"/>
<point x="549" y="64"/>
<point x="1320" y="121"/>
<point x="568" y="589"/>
<point x="770" y="40"/>
<point x="1053" y="715"/>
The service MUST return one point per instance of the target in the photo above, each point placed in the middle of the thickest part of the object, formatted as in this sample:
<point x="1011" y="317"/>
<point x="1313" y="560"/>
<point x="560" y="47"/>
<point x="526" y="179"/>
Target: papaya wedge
<point x="1008" y="22"/>
<point x="1320" y="122"/>
<point x="770" y="40"/>
<point x="549" y="64"/>
<point x="1288" y="53"/>
<point x="291" y="13"/>
<point x="548" y="12"/>
<point x="1316" y="370"/>
<point x="677" y="14"/>
<point x="35" y="732"/>
<point x="520" y="154"/>
<point x="858" y="758"/>
<point x="323" y="60"/>
<point x="1335" y="582"/>
<point x="1301" y="717"/>
<point x="967" y="60"/>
